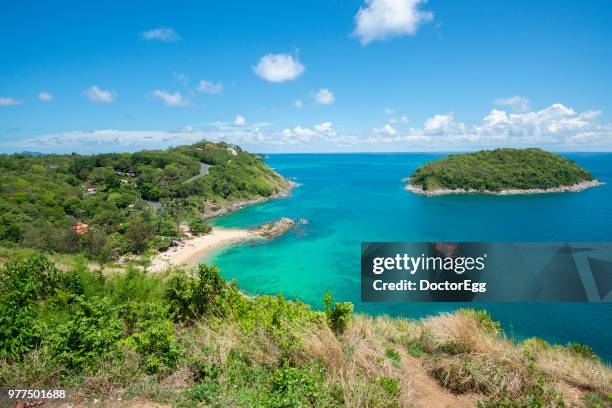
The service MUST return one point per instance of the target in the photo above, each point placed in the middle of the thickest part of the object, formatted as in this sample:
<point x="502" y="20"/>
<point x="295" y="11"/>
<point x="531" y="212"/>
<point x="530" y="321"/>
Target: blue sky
<point x="373" y="75"/>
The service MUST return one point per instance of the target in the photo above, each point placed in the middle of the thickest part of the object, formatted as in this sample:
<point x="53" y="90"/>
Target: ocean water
<point x="350" y="198"/>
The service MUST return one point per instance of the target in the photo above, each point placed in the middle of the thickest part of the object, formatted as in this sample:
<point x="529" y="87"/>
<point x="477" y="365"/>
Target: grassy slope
<point x="495" y="170"/>
<point x="230" y="351"/>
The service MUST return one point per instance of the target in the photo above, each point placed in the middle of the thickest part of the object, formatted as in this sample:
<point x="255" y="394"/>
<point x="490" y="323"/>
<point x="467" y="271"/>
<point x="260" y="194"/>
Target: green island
<point x="110" y="205"/>
<point x="184" y="338"/>
<point x="500" y="171"/>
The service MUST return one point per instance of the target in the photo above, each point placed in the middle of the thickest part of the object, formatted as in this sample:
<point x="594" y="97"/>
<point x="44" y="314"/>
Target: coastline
<point x="237" y="205"/>
<point x="190" y="252"/>
<point x="561" y="189"/>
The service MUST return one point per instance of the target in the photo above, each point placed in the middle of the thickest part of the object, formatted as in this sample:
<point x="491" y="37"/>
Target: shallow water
<point x="350" y="198"/>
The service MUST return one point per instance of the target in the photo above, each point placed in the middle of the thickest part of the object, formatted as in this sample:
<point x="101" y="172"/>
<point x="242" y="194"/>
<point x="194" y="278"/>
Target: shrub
<point x="22" y="284"/>
<point x="204" y="369"/>
<point x="338" y="314"/>
<point x="134" y="285"/>
<point x="295" y="387"/>
<point x="582" y="350"/>
<point x="191" y="298"/>
<point x="93" y="328"/>
<point x="210" y="285"/>
<point x="198" y="227"/>
<point x="532" y="346"/>
<point x="486" y="322"/>
<point x="150" y="334"/>
<point x="20" y="332"/>
<point x="180" y="296"/>
<point x="207" y="391"/>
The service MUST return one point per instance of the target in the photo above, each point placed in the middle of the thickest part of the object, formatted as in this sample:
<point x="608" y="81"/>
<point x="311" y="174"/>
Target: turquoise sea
<point x="350" y="198"/>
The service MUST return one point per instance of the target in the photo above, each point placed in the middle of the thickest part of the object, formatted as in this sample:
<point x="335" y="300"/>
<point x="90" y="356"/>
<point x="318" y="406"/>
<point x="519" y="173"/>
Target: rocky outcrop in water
<point x="272" y="230"/>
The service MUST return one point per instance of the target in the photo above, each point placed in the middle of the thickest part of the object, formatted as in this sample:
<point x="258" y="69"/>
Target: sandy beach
<point x="190" y="252"/>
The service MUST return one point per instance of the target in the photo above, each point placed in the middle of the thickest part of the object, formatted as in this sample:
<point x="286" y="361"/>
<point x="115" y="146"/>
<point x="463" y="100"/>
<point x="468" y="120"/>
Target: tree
<point x="197" y="227"/>
<point x="137" y="235"/>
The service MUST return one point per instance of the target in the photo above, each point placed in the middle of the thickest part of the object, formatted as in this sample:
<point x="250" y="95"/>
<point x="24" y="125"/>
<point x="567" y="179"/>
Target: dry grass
<point x="455" y="333"/>
<point x="356" y="360"/>
<point x="485" y="374"/>
<point x="107" y="377"/>
<point x="588" y="374"/>
<point x="37" y="369"/>
<point x="467" y="359"/>
<point x="324" y="346"/>
<point x="364" y="364"/>
<point x="208" y="344"/>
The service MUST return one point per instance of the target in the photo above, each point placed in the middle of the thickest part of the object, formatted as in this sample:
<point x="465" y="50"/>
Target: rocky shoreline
<point x="561" y="189"/>
<point x="237" y="205"/>
<point x="273" y="229"/>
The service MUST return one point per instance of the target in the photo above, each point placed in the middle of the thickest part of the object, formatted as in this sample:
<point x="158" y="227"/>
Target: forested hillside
<point x="107" y="205"/>
<point x="499" y="169"/>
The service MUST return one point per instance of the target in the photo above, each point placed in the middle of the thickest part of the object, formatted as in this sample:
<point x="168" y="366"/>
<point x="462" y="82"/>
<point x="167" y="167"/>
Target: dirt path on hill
<point x="426" y="391"/>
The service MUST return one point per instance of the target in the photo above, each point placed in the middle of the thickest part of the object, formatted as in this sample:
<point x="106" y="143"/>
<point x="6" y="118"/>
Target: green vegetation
<point x="500" y="169"/>
<point x="188" y="338"/>
<point x="393" y="355"/>
<point x="107" y="205"/>
<point x="338" y="314"/>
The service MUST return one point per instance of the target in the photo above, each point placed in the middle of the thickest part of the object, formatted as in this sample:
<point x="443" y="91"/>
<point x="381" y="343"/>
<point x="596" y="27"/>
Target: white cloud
<point x="304" y="133"/>
<point x="389" y="111"/>
<point x="95" y="94"/>
<point x="384" y="19"/>
<point x="181" y="77"/>
<point x="321" y="133"/>
<point x="556" y="124"/>
<point x="9" y="101"/>
<point x="252" y="137"/>
<point x="278" y="67"/>
<point x="324" y="127"/>
<point x="209" y="87"/>
<point x="518" y="104"/>
<point x="161" y="34"/>
<point x="239" y="120"/>
<point x="556" y="127"/>
<point x="298" y="104"/>
<point x="170" y="99"/>
<point x="387" y="129"/>
<point x="404" y="119"/>
<point x="442" y="124"/>
<point x="45" y="96"/>
<point x="324" y="97"/>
